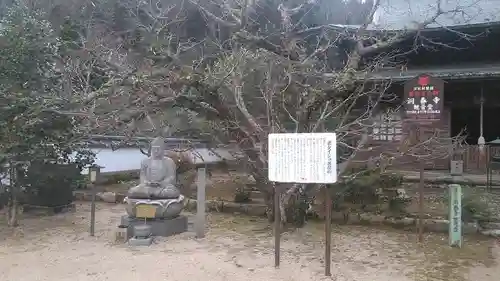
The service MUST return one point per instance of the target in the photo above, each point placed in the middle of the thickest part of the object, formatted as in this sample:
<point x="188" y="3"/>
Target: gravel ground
<point x="236" y="248"/>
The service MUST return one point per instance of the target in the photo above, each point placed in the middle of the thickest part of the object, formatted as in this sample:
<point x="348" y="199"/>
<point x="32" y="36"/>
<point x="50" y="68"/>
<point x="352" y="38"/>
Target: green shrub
<point x="120" y="177"/>
<point x="242" y="195"/>
<point x="397" y="204"/>
<point x="296" y="212"/>
<point x="50" y="185"/>
<point x="474" y="208"/>
<point x="370" y="187"/>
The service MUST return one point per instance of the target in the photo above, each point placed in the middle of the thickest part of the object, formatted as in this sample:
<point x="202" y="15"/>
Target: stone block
<point x="108" y="197"/>
<point x="491" y="232"/>
<point x="403" y="223"/>
<point x="79" y="195"/>
<point x="490" y="225"/>
<point x="140" y="241"/>
<point x="470" y="228"/>
<point x="159" y="227"/>
<point x="442" y="226"/>
<point x="436" y="225"/>
<point x="87" y="196"/>
<point x="142" y="230"/>
<point x="336" y="216"/>
<point x="259" y="210"/>
<point x="120" y="198"/>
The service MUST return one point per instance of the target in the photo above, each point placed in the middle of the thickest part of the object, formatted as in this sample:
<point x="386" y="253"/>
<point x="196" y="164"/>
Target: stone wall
<point x="256" y="209"/>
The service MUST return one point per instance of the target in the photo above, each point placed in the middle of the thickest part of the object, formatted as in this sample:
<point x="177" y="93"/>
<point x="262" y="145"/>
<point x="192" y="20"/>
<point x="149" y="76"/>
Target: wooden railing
<point x="476" y="161"/>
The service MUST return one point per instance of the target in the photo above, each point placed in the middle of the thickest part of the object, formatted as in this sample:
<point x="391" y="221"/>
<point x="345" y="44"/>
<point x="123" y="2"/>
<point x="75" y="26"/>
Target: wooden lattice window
<point x="388" y="126"/>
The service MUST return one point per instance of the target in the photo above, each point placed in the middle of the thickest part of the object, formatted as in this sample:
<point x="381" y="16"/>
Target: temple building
<point x="460" y="49"/>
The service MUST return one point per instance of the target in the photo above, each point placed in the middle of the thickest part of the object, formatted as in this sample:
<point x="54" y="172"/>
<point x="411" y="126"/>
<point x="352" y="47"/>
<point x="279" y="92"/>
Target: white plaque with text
<point x="302" y="158"/>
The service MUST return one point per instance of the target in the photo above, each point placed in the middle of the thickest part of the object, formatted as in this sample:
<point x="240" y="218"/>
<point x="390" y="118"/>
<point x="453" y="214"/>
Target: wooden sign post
<point x="423" y="106"/>
<point x="201" y="184"/>
<point x="94" y="174"/>
<point x="303" y="158"/>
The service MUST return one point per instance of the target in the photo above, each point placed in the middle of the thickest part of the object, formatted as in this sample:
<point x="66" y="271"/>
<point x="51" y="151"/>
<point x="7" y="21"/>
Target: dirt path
<point x="236" y="248"/>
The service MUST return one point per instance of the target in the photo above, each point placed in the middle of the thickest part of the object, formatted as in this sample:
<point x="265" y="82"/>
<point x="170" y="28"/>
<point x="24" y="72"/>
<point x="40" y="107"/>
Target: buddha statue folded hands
<point x="157" y="186"/>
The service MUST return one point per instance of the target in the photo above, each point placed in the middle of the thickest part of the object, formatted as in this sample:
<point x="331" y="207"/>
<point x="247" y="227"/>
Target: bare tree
<point x="239" y="70"/>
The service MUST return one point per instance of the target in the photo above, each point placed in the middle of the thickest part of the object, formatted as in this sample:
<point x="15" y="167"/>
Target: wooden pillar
<point x="200" y="203"/>
<point x="481" y="141"/>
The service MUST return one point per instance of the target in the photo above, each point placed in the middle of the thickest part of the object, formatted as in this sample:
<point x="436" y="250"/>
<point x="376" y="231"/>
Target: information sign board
<point x="302" y="158"/>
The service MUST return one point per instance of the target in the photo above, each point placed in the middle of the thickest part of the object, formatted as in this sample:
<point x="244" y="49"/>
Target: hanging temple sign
<point x="423" y="98"/>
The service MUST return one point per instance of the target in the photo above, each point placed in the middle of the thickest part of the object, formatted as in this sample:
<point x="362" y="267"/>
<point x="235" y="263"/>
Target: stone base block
<point x="159" y="227"/>
<point x="140" y="241"/>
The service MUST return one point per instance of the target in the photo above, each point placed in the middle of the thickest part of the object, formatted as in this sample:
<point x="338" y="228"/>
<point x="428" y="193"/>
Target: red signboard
<point x="424" y="98"/>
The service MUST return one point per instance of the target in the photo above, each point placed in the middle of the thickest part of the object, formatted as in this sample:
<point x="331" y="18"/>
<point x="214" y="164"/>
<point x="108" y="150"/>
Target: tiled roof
<point x="402" y="14"/>
<point x="122" y="141"/>
<point x="465" y="71"/>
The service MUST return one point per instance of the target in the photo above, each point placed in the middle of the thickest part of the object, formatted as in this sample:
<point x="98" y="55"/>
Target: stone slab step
<point x="140" y="241"/>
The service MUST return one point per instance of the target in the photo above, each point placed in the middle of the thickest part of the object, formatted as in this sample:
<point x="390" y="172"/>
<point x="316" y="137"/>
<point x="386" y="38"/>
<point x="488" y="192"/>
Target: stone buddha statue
<point x="157" y="186"/>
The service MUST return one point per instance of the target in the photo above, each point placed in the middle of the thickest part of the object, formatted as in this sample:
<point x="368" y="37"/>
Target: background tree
<point x="231" y="71"/>
<point x="32" y="130"/>
<point x="249" y="68"/>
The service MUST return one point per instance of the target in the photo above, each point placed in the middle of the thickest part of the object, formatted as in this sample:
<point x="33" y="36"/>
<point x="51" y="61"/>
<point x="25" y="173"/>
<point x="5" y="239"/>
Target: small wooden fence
<point x="475" y="161"/>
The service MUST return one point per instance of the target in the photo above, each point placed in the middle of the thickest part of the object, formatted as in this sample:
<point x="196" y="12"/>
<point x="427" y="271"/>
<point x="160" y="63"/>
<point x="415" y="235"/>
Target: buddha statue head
<point x="158" y="148"/>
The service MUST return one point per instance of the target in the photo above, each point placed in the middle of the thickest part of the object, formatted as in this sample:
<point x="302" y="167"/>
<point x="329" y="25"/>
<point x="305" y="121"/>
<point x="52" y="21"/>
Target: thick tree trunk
<point x="292" y="202"/>
<point x="12" y="214"/>
<point x="269" y="201"/>
<point x="12" y="211"/>
<point x="12" y="205"/>
<point x="267" y="190"/>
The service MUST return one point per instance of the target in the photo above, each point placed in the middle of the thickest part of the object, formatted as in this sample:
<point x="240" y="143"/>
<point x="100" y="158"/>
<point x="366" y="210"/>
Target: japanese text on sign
<point x="423" y="105"/>
<point x="455" y="215"/>
<point x="302" y="158"/>
<point x="423" y="97"/>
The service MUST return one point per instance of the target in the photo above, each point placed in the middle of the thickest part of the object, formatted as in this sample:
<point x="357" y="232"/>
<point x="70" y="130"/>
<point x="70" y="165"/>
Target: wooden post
<point x="421" y="185"/>
<point x="277" y="225"/>
<point x="424" y="106"/>
<point x="94" y="174"/>
<point x="421" y="203"/>
<point x="92" y="210"/>
<point x="200" y="203"/>
<point x="328" y="231"/>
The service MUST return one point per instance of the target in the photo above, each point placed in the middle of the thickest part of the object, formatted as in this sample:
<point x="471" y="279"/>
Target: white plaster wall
<point x="125" y="159"/>
<point x="119" y="160"/>
<point x="112" y="161"/>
